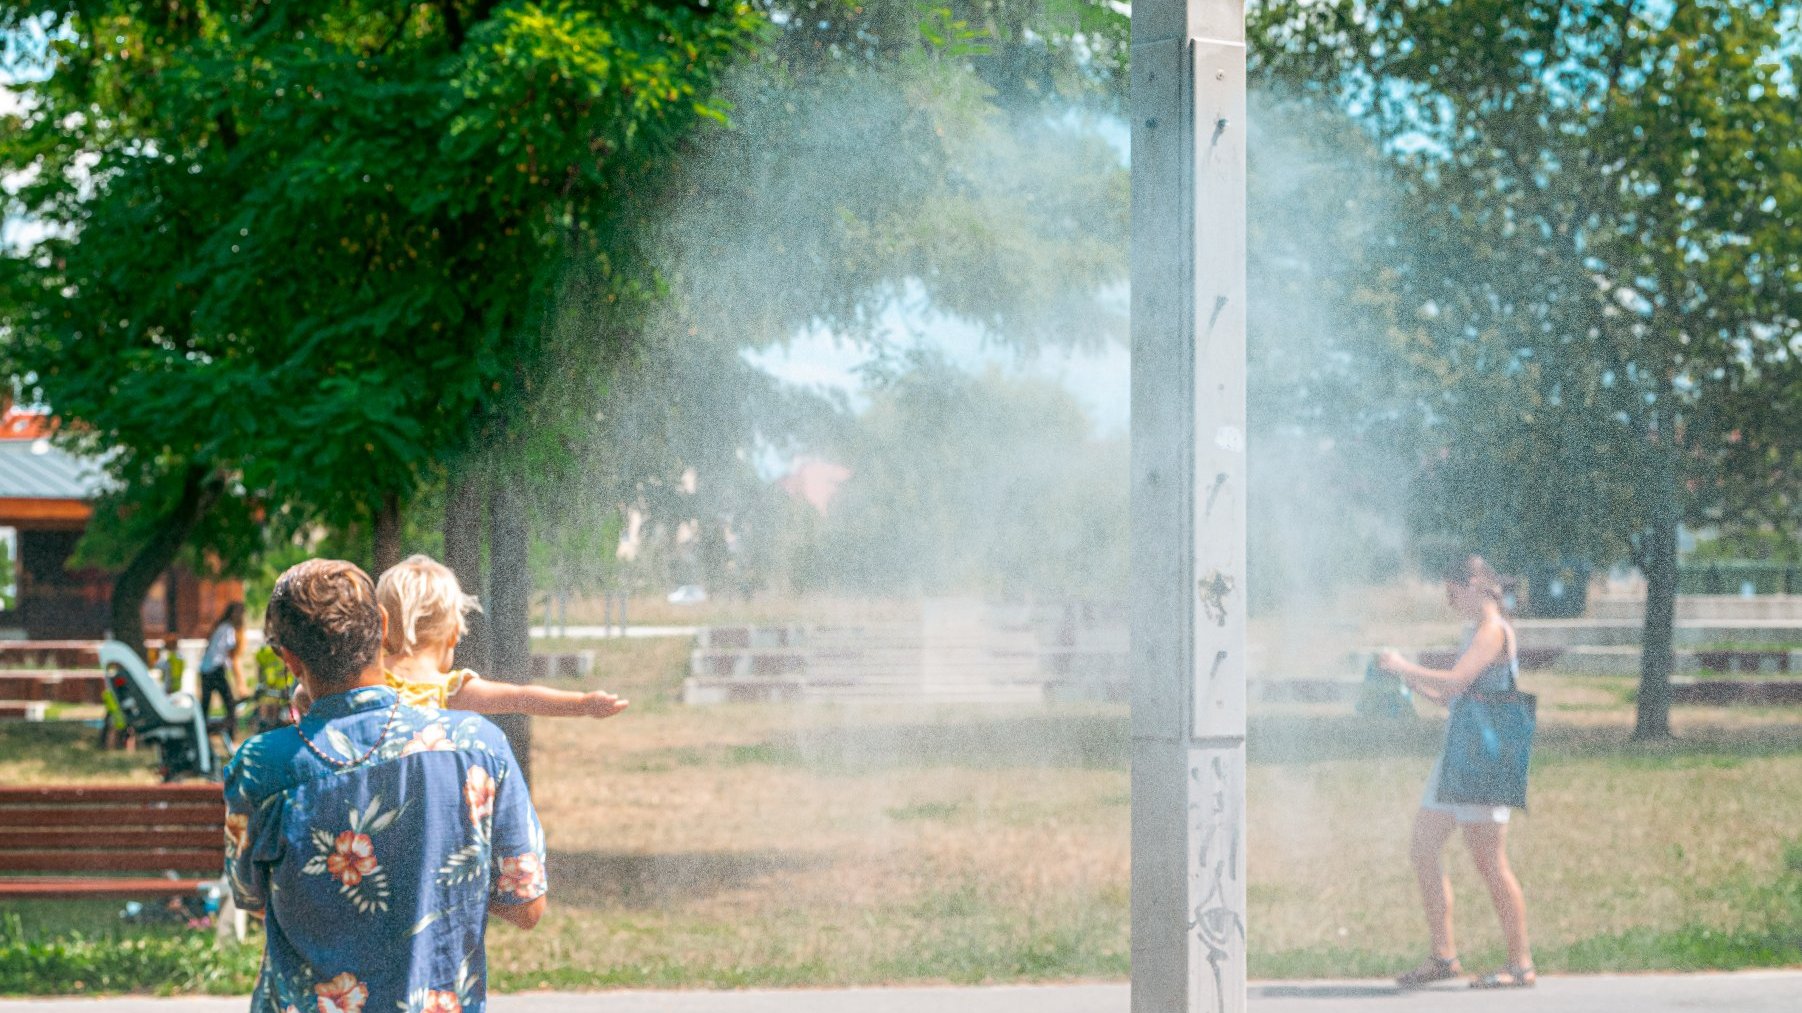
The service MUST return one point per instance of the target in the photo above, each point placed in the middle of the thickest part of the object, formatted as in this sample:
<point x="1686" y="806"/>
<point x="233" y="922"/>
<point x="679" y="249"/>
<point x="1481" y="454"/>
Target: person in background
<point x="1489" y="664"/>
<point x="376" y="838"/>
<point x="220" y="671"/>
<point x="169" y="664"/>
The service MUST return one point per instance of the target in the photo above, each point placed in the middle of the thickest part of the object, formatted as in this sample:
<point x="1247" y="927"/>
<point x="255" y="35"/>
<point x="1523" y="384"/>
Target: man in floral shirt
<point x="375" y="836"/>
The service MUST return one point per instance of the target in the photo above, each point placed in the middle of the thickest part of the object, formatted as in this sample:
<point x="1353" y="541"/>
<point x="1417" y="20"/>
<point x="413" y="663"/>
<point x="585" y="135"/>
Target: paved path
<point x="1746" y="992"/>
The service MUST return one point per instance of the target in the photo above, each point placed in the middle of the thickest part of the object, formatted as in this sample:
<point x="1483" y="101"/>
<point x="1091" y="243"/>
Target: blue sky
<point x="1100" y="378"/>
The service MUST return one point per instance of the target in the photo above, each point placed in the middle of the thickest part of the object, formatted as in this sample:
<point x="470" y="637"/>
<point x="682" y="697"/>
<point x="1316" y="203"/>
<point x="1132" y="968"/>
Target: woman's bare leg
<point x="1488" y="844"/>
<point x="1426" y="852"/>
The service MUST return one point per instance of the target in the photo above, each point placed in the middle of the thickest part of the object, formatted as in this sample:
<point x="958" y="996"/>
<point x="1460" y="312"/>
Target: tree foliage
<point x="1595" y="260"/>
<point x="881" y="162"/>
<point x="310" y="248"/>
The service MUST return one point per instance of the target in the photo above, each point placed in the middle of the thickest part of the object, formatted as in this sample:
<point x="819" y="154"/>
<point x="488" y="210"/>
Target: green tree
<point x="877" y="156"/>
<point x="309" y="250"/>
<point x="1323" y="371"/>
<point x="1595" y="248"/>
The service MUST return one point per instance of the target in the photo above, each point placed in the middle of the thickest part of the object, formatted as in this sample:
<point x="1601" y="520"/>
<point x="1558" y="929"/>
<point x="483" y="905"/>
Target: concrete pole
<point x="1188" y="505"/>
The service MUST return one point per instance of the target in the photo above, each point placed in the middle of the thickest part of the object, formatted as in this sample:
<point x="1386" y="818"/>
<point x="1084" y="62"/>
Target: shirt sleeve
<point x="454" y="682"/>
<point x="518" y="837"/>
<point x="245" y="824"/>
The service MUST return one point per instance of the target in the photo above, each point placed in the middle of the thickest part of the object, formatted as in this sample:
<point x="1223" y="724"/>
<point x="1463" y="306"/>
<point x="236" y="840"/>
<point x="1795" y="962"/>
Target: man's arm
<point x="248" y="878"/>
<point x="523" y="915"/>
<point x="516" y="839"/>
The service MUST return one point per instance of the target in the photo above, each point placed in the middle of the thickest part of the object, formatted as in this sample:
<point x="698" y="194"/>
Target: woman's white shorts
<point x="1429" y="799"/>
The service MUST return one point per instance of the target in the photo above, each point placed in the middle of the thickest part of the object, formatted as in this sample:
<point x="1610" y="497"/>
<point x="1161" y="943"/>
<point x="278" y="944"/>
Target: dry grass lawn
<point x="812" y="845"/>
<point x="807" y="845"/>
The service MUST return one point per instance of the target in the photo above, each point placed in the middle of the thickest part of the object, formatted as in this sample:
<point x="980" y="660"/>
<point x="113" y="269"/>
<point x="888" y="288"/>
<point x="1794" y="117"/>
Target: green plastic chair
<point x="112" y="723"/>
<point x="274" y="690"/>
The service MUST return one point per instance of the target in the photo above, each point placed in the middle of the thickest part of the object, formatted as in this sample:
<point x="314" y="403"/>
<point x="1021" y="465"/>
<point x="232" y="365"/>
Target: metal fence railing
<point x="1737" y="577"/>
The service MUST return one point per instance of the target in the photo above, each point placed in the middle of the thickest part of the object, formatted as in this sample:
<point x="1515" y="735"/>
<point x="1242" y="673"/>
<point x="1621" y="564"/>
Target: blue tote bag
<point x="1488" y="744"/>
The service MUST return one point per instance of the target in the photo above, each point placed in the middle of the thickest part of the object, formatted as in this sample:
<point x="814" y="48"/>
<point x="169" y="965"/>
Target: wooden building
<point x="46" y="500"/>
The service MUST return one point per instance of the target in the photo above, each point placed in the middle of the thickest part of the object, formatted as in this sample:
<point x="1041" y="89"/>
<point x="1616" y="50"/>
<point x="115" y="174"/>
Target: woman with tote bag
<point x="1480" y="774"/>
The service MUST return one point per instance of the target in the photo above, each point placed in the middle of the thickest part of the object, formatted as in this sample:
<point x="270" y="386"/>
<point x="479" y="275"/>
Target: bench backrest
<point x="140" y="695"/>
<point x="130" y="829"/>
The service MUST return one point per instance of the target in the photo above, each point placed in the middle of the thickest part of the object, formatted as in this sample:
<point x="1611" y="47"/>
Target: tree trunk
<point x="510" y="602"/>
<point x="1655" y="662"/>
<point x="463" y="554"/>
<point x="155" y="557"/>
<point x="387" y="533"/>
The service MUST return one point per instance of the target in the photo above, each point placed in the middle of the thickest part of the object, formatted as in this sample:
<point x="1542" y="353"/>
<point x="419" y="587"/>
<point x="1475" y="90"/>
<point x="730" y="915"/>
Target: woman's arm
<point x="235" y="662"/>
<point x="491" y="696"/>
<point x="1441" y="685"/>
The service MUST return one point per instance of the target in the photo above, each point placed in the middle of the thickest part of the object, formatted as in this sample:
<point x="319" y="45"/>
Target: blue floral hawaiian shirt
<point x="376" y="869"/>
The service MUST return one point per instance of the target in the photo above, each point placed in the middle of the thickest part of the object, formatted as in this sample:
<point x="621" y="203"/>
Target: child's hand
<point x="599" y="704"/>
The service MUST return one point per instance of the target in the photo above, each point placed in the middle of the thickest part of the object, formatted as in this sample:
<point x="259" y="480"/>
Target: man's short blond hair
<point x="426" y="606"/>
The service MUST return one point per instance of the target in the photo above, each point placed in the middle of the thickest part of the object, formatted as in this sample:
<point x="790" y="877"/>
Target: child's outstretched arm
<point x="491" y="696"/>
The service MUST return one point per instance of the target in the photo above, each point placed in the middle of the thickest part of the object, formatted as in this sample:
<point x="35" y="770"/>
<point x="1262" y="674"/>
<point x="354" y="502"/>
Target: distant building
<point x="814" y="482"/>
<point x="46" y="500"/>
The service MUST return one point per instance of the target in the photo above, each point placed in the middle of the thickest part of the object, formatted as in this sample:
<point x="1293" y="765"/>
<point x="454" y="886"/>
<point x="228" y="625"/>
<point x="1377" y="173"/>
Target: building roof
<point x="814" y="482"/>
<point x="37" y="469"/>
<point x="25" y="424"/>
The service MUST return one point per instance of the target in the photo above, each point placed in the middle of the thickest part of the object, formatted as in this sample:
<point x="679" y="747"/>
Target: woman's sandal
<point x="1508" y="977"/>
<point x="1430" y="970"/>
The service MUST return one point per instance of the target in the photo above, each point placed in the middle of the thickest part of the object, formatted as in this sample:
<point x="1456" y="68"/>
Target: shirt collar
<point x="353" y="701"/>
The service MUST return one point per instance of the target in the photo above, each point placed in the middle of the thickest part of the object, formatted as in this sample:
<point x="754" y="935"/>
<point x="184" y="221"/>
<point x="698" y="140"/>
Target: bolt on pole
<point x="1188" y="506"/>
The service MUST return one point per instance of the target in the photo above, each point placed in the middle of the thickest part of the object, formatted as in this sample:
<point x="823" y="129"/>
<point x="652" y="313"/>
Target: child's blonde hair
<point x="425" y="605"/>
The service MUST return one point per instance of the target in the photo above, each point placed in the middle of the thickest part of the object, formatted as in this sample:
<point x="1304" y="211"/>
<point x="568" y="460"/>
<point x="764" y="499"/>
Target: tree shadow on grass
<point x="595" y="879"/>
<point x="1285" y="739"/>
<point x="1695" y="743"/>
<point x="1089" y="741"/>
<point x="1050" y="740"/>
<point x="1301" y="739"/>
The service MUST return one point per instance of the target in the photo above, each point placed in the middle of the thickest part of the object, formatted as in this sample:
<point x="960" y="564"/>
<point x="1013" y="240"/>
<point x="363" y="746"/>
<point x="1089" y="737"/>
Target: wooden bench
<point x="52" y="685"/>
<point x="50" y="653"/>
<point x="163" y="840"/>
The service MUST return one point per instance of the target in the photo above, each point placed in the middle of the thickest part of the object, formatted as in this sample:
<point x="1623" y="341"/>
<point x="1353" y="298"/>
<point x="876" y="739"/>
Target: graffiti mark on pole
<point x="1216" y="922"/>
<point x="1215" y="588"/>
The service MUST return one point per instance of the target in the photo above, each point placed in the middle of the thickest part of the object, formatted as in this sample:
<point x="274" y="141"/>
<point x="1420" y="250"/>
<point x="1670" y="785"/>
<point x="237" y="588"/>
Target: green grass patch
<point x="924" y="811"/>
<point x="122" y="960"/>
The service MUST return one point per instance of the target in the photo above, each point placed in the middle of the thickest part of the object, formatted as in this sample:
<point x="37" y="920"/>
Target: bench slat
<point x="112" y="816"/>
<point x="47" y="889"/>
<point x="191" y="860"/>
<point x="58" y="686"/>
<point x="136" y="794"/>
<point x="81" y="838"/>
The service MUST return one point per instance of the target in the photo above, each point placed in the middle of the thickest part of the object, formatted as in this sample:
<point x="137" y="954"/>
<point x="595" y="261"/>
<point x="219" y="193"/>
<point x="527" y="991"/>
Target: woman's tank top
<point x="1501" y="674"/>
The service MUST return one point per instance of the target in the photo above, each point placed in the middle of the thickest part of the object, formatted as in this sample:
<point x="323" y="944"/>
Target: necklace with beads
<point x="387" y="726"/>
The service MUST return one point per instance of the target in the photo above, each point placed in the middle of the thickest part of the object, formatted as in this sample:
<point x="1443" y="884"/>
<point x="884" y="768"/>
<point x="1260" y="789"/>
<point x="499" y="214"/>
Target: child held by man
<point x="427" y="617"/>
